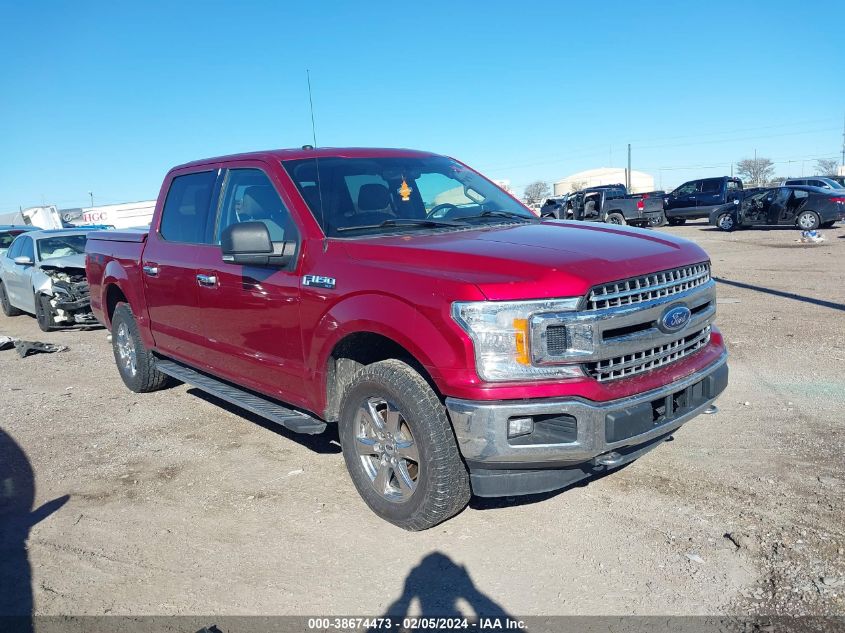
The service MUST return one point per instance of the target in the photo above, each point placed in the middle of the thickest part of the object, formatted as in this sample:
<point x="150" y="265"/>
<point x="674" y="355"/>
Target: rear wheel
<point x="137" y="364"/>
<point x="677" y="221"/>
<point x="8" y="309"/>
<point x="399" y="447"/>
<point x="808" y="221"/>
<point x="726" y="222"/>
<point x="44" y="313"/>
<point x="616" y="218"/>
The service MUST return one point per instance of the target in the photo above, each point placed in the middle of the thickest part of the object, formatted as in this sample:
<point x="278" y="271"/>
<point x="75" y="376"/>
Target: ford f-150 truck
<point x="461" y="344"/>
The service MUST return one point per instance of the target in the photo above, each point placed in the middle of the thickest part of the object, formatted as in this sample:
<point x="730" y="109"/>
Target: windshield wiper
<point x="398" y="222"/>
<point x="499" y="214"/>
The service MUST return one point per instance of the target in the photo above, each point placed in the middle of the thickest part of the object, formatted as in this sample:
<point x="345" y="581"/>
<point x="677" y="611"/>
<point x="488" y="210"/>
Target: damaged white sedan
<point x="43" y="273"/>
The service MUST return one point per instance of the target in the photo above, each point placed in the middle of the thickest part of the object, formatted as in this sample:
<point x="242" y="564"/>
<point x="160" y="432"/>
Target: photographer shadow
<point x="17" y="494"/>
<point x="438" y="584"/>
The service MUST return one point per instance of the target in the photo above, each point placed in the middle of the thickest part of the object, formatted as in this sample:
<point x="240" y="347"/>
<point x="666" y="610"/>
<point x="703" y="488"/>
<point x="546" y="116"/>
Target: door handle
<point x="209" y="281"/>
<point x="150" y="269"/>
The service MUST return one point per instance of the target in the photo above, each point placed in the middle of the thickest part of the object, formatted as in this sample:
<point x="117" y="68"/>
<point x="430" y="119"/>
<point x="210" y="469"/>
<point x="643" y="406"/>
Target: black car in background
<point x="697" y="198"/>
<point x="804" y="207"/>
<point x="822" y="182"/>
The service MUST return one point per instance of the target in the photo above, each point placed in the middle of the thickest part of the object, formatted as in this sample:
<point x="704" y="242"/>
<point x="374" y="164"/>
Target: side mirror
<point x="23" y="261"/>
<point x="249" y="243"/>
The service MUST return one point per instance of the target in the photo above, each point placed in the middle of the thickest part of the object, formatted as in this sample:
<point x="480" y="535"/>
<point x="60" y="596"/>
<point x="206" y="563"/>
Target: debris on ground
<point x="28" y="348"/>
<point x="811" y="237"/>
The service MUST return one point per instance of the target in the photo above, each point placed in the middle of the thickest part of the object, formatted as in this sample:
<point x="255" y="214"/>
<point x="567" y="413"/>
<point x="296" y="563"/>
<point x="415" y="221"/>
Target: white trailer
<point x="120" y="216"/>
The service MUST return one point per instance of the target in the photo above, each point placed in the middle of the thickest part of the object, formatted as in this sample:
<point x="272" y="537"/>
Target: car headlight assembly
<point x="501" y="336"/>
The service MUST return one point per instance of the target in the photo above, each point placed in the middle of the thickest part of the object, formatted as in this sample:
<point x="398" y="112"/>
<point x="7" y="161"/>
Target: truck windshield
<point x="61" y="246"/>
<point x="370" y="196"/>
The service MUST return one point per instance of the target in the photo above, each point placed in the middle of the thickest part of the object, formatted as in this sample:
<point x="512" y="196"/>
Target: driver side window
<point x="249" y="196"/>
<point x="27" y="248"/>
<point x="688" y="188"/>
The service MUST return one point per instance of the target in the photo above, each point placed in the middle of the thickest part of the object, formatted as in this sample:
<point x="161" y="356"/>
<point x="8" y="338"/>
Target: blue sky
<point x="105" y="97"/>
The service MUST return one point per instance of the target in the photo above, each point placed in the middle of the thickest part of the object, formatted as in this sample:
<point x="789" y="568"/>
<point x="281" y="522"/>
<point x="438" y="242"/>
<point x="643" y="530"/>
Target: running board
<point x="296" y="421"/>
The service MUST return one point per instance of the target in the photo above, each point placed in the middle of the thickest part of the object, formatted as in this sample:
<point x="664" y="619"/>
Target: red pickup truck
<point x="462" y="345"/>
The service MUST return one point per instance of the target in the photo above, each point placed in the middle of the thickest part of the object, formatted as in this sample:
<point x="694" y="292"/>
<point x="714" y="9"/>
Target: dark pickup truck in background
<point x="613" y="204"/>
<point x="607" y="203"/>
<point x="461" y="344"/>
<point x="697" y="198"/>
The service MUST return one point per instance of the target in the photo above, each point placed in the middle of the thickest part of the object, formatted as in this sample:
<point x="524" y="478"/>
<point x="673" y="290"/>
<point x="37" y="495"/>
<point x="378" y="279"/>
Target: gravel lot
<point x="180" y="505"/>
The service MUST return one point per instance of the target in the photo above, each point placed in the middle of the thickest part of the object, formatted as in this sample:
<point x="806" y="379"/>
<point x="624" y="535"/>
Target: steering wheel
<point x="448" y="206"/>
<point x="758" y="203"/>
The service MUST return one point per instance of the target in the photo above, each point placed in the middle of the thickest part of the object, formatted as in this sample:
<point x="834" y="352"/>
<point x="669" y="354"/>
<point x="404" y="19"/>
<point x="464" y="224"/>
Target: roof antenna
<point x="317" y="165"/>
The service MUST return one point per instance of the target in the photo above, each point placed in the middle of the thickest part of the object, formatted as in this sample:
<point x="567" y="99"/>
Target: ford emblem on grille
<point x="674" y="319"/>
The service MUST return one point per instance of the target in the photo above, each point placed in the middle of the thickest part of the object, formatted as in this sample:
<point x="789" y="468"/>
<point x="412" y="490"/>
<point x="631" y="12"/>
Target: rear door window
<point x="733" y="185"/>
<point x="185" y="217"/>
<point x="711" y="185"/>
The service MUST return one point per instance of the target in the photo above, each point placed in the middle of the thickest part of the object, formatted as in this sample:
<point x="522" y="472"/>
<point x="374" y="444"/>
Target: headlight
<point x="501" y="335"/>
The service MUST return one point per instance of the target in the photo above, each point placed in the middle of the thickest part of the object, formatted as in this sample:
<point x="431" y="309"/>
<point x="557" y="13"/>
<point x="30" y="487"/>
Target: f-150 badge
<point x="318" y="282"/>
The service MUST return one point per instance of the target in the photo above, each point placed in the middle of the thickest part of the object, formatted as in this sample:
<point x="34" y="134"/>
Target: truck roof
<point x="309" y="152"/>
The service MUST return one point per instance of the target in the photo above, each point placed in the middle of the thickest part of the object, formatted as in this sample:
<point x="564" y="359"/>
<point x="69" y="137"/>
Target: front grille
<point x="556" y="340"/>
<point x="638" y="362"/>
<point x="648" y="287"/>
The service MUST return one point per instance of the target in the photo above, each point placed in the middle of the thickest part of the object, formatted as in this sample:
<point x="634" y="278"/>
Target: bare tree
<point x="536" y="192"/>
<point x="577" y="185"/>
<point x="755" y="171"/>
<point x="826" y="167"/>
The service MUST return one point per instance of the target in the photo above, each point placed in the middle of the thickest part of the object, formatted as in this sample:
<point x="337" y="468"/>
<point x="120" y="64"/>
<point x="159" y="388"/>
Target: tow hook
<point x="608" y="459"/>
<point x="711" y="410"/>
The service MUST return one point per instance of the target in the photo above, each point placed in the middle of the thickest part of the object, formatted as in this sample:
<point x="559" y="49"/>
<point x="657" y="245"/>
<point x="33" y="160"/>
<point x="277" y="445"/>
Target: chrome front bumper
<point x="481" y="427"/>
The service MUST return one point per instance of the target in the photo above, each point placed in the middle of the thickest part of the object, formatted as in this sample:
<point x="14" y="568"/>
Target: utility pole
<point x="843" y="144"/>
<point x="91" y="193"/>
<point x="628" y="175"/>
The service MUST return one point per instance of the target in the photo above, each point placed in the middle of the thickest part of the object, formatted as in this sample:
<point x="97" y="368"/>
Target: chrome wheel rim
<point x="126" y="350"/>
<point x="387" y="450"/>
<point x="726" y="222"/>
<point x="806" y="221"/>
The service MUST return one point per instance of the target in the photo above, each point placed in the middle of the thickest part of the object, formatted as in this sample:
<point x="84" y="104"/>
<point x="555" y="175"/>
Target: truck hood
<point x="69" y="261"/>
<point x="531" y="261"/>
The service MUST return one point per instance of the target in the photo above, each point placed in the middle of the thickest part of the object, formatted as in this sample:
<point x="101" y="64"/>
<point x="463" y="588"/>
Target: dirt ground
<point x="178" y="504"/>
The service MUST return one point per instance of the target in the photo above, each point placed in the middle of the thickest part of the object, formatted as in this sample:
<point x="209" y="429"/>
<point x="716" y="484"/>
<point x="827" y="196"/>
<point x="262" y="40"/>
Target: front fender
<point x="419" y="330"/>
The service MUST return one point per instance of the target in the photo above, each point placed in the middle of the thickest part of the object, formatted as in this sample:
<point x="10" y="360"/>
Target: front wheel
<point x="808" y="221"/>
<point x="616" y="218"/>
<point x="726" y="222"/>
<point x="399" y="447"/>
<point x="136" y="364"/>
<point x="44" y="313"/>
<point x="8" y="309"/>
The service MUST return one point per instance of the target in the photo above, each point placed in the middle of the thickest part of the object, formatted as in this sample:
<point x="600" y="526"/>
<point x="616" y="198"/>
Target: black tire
<point x="677" y="221"/>
<point x="441" y="488"/>
<point x="8" y="309"/>
<point x="141" y="376"/>
<point x="616" y="218"/>
<point x="726" y="222"/>
<point x="44" y="313"/>
<point x="661" y="221"/>
<point x="808" y="221"/>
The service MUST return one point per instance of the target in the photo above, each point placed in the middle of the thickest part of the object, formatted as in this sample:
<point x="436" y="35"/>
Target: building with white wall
<point x="640" y="181"/>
